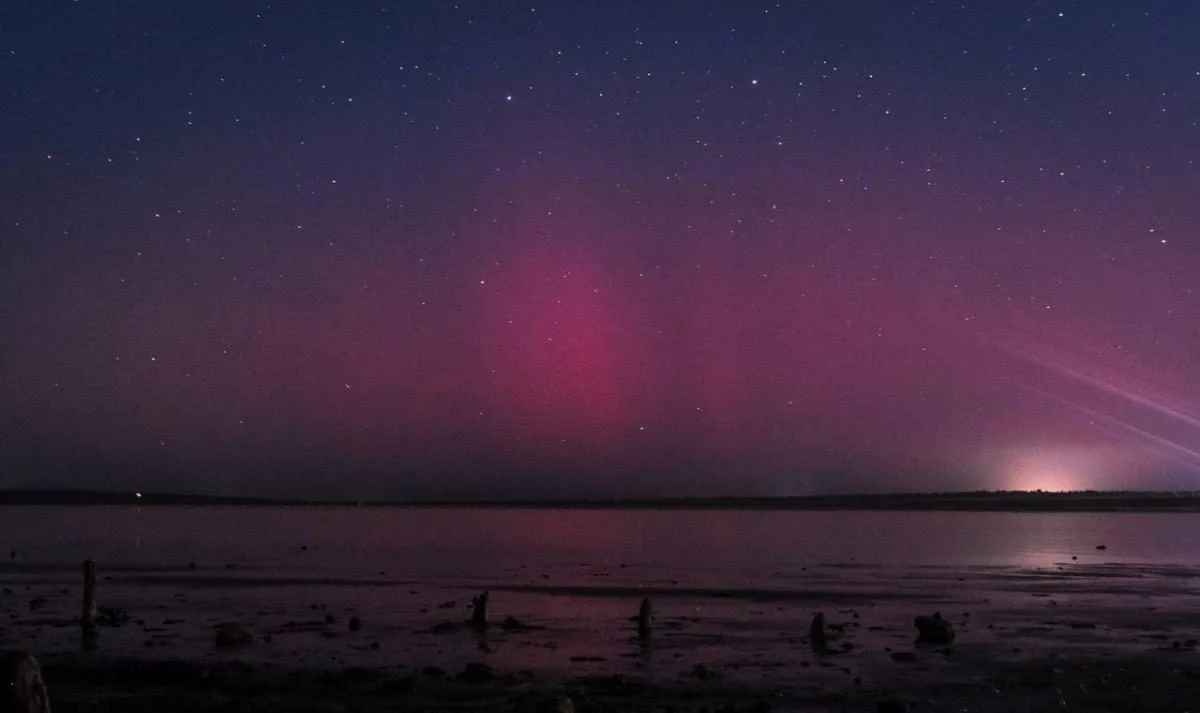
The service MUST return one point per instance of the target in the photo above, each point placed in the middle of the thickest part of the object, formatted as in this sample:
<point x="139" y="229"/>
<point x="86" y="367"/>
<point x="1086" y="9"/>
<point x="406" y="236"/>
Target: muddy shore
<point x="1149" y="682"/>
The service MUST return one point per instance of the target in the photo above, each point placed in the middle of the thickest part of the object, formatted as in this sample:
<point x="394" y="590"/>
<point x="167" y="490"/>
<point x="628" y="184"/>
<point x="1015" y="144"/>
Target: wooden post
<point x="87" y="618"/>
<point x="479" y="612"/>
<point x="645" y="618"/>
<point x="816" y="633"/>
<point x="87" y="615"/>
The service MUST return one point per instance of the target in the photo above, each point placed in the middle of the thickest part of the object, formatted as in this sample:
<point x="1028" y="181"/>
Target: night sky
<point x="599" y="249"/>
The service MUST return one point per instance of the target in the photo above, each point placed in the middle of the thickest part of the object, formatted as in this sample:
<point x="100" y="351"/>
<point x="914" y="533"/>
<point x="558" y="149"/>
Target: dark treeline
<point x="1081" y="501"/>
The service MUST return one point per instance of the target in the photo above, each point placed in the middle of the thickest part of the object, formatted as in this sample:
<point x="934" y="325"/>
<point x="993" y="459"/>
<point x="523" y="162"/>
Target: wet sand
<point x="1153" y="680"/>
<point x="1091" y="636"/>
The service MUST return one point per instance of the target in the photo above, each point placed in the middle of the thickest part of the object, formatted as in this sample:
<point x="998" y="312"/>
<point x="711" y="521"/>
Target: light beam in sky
<point x="1042" y="356"/>
<point x="480" y="251"/>
<point x="1182" y="453"/>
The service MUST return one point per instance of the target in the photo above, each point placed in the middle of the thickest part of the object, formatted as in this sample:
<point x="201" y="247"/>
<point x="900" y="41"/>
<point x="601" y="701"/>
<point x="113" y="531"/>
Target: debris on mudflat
<point x="934" y="629"/>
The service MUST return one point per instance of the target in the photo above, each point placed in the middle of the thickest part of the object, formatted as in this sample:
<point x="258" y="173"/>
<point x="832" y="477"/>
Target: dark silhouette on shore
<point x="982" y="500"/>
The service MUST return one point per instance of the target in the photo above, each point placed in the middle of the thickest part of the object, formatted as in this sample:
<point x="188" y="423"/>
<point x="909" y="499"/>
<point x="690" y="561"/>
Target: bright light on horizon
<point x="1048" y="483"/>
<point x="1051" y="472"/>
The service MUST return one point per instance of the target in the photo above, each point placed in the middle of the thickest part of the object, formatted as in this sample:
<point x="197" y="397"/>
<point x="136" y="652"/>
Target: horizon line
<point x="1014" y="500"/>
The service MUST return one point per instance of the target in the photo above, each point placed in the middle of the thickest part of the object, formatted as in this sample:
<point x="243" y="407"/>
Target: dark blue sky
<point x="508" y="249"/>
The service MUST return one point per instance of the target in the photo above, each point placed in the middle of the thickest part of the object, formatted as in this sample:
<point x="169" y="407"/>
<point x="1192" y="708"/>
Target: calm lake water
<point x="727" y="544"/>
<point x="729" y="586"/>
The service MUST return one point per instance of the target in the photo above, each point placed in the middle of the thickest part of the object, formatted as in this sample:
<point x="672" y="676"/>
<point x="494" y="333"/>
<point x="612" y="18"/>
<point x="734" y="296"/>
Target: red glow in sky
<point x="622" y="249"/>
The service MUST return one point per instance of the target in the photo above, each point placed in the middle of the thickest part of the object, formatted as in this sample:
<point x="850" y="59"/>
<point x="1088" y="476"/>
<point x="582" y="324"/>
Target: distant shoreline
<point x="983" y="501"/>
